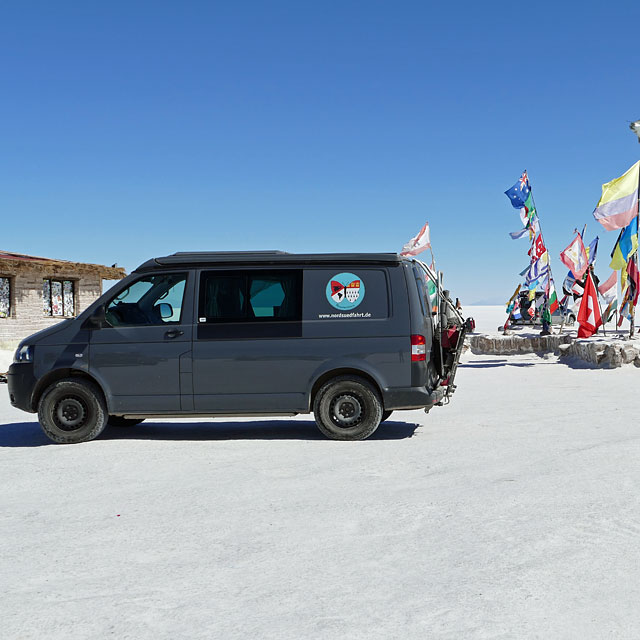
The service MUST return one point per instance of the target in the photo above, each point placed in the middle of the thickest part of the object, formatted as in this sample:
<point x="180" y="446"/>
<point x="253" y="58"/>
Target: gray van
<point x="351" y="337"/>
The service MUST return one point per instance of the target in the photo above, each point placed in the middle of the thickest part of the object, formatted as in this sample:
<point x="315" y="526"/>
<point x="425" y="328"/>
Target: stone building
<point x="38" y="292"/>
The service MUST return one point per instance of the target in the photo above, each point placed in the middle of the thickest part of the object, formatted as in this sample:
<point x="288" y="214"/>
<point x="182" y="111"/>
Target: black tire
<point x="72" y="411"/>
<point x="347" y="408"/>
<point x="571" y="319"/>
<point x="386" y="415"/>
<point x="119" y="421"/>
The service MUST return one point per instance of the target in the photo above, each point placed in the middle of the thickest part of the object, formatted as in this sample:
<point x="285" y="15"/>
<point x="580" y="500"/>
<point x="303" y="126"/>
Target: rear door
<point x="146" y="346"/>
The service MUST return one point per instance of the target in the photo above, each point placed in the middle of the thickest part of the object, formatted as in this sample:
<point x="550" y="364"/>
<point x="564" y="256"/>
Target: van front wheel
<point x="347" y="409"/>
<point x="72" y="411"/>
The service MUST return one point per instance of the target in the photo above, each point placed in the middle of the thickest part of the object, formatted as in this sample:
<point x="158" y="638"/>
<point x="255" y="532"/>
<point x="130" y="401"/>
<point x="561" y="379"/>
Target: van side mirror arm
<point x="96" y="320"/>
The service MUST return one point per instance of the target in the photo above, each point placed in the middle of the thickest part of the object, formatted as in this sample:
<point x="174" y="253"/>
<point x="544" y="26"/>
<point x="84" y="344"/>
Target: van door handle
<point x="174" y="333"/>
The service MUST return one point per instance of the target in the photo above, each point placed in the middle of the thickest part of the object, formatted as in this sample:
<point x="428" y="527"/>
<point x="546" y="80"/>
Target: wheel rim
<point x="70" y="413"/>
<point x="347" y="410"/>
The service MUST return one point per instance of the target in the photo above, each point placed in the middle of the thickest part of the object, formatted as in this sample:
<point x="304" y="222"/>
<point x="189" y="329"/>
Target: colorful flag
<point x="575" y="257"/>
<point x="611" y="309"/>
<point x="619" y="201"/>
<point x="608" y="289"/>
<point x="538" y="248"/>
<point x="418" y="243"/>
<point x="592" y="251"/>
<point x="634" y="279"/>
<point x="529" y="208"/>
<point x="553" y="298"/>
<point x="568" y="283"/>
<point x="538" y="269"/>
<point x="627" y="243"/>
<point x="520" y="191"/>
<point x="589" y="317"/>
<point x="624" y="307"/>
<point x="516" y="310"/>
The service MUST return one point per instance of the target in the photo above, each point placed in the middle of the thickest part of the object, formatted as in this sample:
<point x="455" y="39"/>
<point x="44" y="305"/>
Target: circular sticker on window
<point x="345" y="291"/>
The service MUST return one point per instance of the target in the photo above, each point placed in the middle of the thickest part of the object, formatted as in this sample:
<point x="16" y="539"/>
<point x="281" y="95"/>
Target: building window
<point x="58" y="298"/>
<point x="5" y="297"/>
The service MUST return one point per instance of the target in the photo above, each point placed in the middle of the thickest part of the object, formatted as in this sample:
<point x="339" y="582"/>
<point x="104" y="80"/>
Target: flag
<point x="627" y="243"/>
<point x="529" y="208"/>
<point x="568" y="283"/>
<point x="538" y="269"/>
<point x="517" y="315"/>
<point x="520" y="191"/>
<point x="575" y="257"/>
<point x="608" y="289"/>
<point x="634" y="279"/>
<point x="589" y="317"/>
<point x="619" y="201"/>
<point x="418" y="243"/>
<point x="624" y="307"/>
<point x="538" y="248"/>
<point x="516" y="235"/>
<point x="552" y="297"/>
<point x="611" y="309"/>
<point x="592" y="250"/>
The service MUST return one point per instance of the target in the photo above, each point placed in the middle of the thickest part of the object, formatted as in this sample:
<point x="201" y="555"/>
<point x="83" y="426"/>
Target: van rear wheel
<point x="72" y="410"/>
<point x="347" y="408"/>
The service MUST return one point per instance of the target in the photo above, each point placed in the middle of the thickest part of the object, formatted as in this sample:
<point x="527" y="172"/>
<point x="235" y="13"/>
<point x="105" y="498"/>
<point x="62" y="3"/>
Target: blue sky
<point x="134" y="129"/>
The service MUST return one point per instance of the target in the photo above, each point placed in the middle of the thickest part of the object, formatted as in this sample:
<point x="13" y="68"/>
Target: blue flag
<point x="519" y="192"/>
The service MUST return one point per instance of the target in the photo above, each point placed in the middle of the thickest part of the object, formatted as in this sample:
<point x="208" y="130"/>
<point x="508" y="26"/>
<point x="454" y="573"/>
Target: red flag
<point x="634" y="276"/>
<point x="589" y="317"/>
<point x="538" y="246"/>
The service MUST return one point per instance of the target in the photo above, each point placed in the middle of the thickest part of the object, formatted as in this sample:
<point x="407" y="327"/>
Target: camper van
<point x="349" y="337"/>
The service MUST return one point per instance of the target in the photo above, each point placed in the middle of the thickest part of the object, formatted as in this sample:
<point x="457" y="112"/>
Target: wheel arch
<point x="60" y="374"/>
<point x="343" y="371"/>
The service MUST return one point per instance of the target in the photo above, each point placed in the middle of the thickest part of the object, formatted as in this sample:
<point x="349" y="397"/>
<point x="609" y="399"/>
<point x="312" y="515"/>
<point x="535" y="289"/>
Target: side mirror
<point x="165" y="309"/>
<point x="97" y="319"/>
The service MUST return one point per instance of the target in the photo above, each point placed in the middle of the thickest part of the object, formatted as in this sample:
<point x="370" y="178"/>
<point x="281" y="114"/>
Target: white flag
<point x="421" y="242"/>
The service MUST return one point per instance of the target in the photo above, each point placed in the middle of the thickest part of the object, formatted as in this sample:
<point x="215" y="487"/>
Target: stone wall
<point x="602" y="353"/>
<point x="27" y="316"/>
<point x="514" y="344"/>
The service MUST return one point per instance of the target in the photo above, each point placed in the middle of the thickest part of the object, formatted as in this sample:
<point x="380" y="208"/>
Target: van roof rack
<point x="266" y="257"/>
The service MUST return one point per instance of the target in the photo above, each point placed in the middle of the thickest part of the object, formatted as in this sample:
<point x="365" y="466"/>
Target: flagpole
<point x="551" y="280"/>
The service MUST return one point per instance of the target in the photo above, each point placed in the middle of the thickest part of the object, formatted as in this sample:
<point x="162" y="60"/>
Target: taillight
<point x="418" y="348"/>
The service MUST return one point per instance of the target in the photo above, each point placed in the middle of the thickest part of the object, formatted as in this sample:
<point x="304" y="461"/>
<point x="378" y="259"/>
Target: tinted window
<point x="250" y="296"/>
<point x="153" y="300"/>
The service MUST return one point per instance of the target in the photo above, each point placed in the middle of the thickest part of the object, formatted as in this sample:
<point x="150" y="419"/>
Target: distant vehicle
<point x="563" y="311"/>
<point x="351" y="337"/>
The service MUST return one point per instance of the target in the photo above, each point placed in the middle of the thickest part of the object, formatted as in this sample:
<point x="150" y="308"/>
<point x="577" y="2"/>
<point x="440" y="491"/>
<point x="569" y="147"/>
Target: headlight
<point x="24" y="353"/>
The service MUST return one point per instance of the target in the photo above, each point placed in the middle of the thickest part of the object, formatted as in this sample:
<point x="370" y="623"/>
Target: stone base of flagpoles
<point x="514" y="344"/>
<point x="602" y="354"/>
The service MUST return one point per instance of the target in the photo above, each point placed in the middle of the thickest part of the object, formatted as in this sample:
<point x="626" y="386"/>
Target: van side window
<point x="152" y="300"/>
<point x="250" y="296"/>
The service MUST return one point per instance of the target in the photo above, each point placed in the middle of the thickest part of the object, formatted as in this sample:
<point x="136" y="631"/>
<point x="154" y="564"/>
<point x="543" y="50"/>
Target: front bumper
<point x="21" y="383"/>
<point x="412" y="397"/>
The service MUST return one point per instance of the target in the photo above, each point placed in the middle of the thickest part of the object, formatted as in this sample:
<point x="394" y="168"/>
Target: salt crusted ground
<point x="514" y="512"/>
